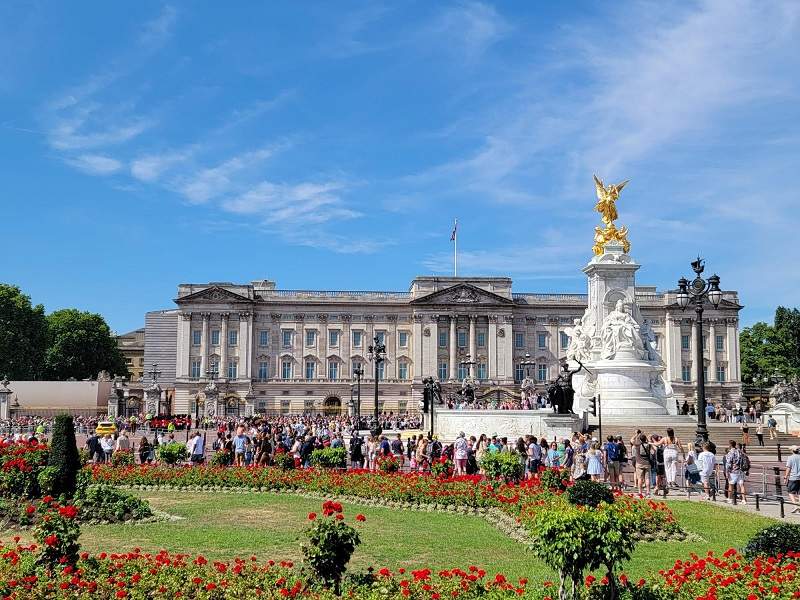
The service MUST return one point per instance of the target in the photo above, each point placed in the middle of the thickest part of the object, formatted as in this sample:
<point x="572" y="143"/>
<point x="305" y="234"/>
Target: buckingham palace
<point x="269" y="350"/>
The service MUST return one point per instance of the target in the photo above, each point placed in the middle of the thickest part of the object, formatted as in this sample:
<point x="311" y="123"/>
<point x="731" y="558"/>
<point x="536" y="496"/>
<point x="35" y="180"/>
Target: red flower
<point x="51" y="540"/>
<point x="339" y="516"/>
<point x="361" y="518"/>
<point x="47" y="499"/>
<point x="70" y="512"/>
<point x="312" y="516"/>
<point x="30" y="509"/>
<point x="590" y="579"/>
<point x="121" y="594"/>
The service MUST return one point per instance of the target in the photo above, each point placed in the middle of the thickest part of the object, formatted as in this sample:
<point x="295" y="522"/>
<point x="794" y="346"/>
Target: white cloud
<point x="157" y="31"/>
<point x="468" y="27"/>
<point x="151" y="167"/>
<point x="95" y="164"/>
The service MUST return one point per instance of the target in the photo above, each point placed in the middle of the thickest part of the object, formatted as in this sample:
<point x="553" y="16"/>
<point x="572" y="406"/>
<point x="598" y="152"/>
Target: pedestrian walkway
<point x="769" y="507"/>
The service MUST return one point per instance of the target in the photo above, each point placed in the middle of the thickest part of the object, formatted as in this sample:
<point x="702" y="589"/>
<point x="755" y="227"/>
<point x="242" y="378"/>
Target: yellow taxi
<point x="106" y="428"/>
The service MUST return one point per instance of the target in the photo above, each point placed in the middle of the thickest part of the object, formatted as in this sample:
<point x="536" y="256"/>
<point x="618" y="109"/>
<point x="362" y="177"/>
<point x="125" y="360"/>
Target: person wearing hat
<point x="792" y="477"/>
<point x="460" y="454"/>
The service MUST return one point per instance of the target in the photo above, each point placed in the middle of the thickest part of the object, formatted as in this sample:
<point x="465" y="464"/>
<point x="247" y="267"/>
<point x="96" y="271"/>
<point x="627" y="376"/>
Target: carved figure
<point x="620" y="331"/>
<point x="580" y="343"/>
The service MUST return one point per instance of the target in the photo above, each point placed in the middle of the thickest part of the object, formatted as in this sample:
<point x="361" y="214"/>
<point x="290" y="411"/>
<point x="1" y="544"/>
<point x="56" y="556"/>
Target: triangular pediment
<point x="462" y="293"/>
<point x="214" y="293"/>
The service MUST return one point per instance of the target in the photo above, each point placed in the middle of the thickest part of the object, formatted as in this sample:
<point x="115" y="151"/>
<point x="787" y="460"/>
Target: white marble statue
<point x="580" y="343"/>
<point x="527" y="389"/>
<point x="621" y="334"/>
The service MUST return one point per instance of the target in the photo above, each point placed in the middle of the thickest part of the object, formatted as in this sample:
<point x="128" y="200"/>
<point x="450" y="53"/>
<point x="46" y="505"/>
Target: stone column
<point x="712" y="350"/>
<point x="453" y="368"/>
<point x="391" y="347"/>
<point x="344" y="346"/>
<point x="430" y="350"/>
<point x="417" y="340"/>
<point x="204" y="345"/>
<point x="244" y="345"/>
<point x="223" y="346"/>
<point x="491" y="345"/>
<point x="322" y="346"/>
<point x="505" y="370"/>
<point x="184" y="344"/>
<point x="733" y="351"/>
<point x="473" y="348"/>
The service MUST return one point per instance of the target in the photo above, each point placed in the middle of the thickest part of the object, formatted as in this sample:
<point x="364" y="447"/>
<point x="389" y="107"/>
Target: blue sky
<point x="330" y="145"/>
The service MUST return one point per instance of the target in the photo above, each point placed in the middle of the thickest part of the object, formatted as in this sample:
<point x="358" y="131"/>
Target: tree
<point x="22" y="335"/>
<point x="64" y="457"/>
<point x="80" y="345"/>
<point x="765" y="348"/>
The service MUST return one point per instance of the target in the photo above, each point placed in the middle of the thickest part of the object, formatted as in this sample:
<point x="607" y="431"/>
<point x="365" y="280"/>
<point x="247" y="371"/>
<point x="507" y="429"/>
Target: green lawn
<point x="222" y="525"/>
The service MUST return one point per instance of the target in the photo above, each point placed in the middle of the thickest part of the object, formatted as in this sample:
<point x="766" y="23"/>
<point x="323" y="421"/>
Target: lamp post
<point x="433" y="392"/>
<point x="359" y="373"/>
<point x="469" y="363"/>
<point x="527" y="364"/>
<point x="377" y="354"/>
<point x="698" y="292"/>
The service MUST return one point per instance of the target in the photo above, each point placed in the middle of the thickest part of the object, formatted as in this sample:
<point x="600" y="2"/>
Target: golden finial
<point x="607" y="196"/>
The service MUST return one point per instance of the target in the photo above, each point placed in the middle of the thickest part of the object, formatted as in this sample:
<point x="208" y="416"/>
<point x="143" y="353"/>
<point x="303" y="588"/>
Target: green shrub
<point x="172" y="453"/>
<point x="331" y="544"/>
<point x="122" y="458"/>
<point x="64" y="457"/>
<point x="388" y="464"/>
<point x="46" y="479"/>
<point x="589" y="493"/>
<point x="109" y="505"/>
<point x="284" y="461"/>
<point x="554" y="479"/>
<point x="442" y="467"/>
<point x="83" y="456"/>
<point x="774" y="540"/>
<point x="220" y="458"/>
<point x="505" y="465"/>
<point x="329" y="458"/>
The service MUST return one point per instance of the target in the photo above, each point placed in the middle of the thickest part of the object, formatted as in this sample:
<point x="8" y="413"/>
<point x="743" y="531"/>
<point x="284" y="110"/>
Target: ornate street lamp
<point x="527" y="364"/>
<point x="358" y="372"/>
<point x="698" y="292"/>
<point x="432" y="393"/>
<point x="377" y="354"/>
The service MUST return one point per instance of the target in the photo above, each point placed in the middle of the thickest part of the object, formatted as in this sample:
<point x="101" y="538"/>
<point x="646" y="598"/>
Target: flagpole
<point x="455" y="250"/>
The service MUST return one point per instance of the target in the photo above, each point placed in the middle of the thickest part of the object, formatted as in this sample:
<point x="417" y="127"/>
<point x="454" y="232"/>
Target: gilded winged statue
<point x="607" y="196"/>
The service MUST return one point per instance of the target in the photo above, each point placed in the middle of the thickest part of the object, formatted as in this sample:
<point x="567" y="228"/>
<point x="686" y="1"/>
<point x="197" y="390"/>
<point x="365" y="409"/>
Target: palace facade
<point x="289" y="351"/>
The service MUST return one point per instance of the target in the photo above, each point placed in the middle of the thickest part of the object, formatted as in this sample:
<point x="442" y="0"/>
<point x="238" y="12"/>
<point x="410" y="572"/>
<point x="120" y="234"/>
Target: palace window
<point x="310" y="366"/>
<point x="232" y="369"/>
<point x="286" y="369"/>
<point x="519" y="340"/>
<point x="263" y="371"/>
<point x="402" y="370"/>
<point x="705" y="337"/>
<point x="657" y="341"/>
<point x="357" y="339"/>
<point x="197" y="336"/>
<point x="721" y="373"/>
<point x="564" y="340"/>
<point x="233" y="337"/>
<point x="381" y="335"/>
<point x="215" y="337"/>
<point x="333" y="370"/>
<point x="311" y="337"/>
<point x="287" y="338"/>
<point x="462" y="338"/>
<point x="686" y="373"/>
<point x="481" y="339"/>
<point x="355" y="365"/>
<point x="519" y="373"/>
<point x="214" y="365"/>
<point x="705" y="374"/>
<point x="442" y="339"/>
<point x="541" y="372"/>
<point x="333" y="338"/>
<point x="263" y="338"/>
<point x="719" y="343"/>
<point x="462" y="372"/>
<point x="195" y="369"/>
<point x="685" y="342"/>
<point x="481" y="371"/>
<point x="542" y="340"/>
<point x="402" y="339"/>
<point x="381" y="370"/>
<point x="442" y="371"/>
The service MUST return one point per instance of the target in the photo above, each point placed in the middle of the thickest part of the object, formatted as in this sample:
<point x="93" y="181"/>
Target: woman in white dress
<point x="594" y="466"/>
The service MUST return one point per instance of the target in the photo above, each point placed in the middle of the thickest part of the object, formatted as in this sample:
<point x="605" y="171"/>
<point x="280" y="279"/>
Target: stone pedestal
<point x="509" y="423"/>
<point x="152" y="400"/>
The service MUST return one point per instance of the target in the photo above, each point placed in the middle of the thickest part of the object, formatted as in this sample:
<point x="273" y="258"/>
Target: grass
<point x="224" y="525"/>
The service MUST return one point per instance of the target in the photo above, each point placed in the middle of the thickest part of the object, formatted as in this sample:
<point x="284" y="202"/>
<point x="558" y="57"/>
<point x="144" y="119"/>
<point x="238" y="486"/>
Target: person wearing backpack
<point x="736" y="466"/>
<point x="772" y="425"/>
<point x="611" y="451"/>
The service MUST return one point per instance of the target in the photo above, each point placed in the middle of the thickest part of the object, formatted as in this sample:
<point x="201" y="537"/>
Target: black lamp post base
<point x="376" y="431"/>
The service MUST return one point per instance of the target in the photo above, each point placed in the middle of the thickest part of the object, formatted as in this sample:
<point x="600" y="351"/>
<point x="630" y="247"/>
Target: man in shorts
<point x="733" y="469"/>
<point x="707" y="464"/>
<point x="792" y="477"/>
<point x="641" y="468"/>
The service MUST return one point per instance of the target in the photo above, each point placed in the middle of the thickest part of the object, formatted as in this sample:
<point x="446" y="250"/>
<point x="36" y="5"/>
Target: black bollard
<point x="780" y="501"/>
<point x="758" y="506"/>
<point x="780" y="458"/>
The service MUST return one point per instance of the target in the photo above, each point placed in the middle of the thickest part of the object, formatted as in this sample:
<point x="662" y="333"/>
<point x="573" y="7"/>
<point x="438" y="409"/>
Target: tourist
<point x="123" y="443"/>
<point x="480" y="449"/>
<point x="623" y="460"/>
<point x="107" y="446"/>
<point x="239" y="446"/>
<point x="641" y="462"/>
<point x="534" y="456"/>
<point x="760" y="431"/>
<point x="792" y="477"/>
<point x="734" y="472"/>
<point x="745" y="433"/>
<point x="198" y="449"/>
<point x="707" y="465"/>
<point x="579" y="468"/>
<point x="594" y="462"/>
<point x="692" y="470"/>
<point x="422" y="453"/>
<point x="397" y="448"/>
<point x="613" y="465"/>
<point x="356" y="456"/>
<point x="411" y="452"/>
<point x="671" y="444"/>
<point x="472" y="463"/>
<point x="772" y="427"/>
<point x="460" y="454"/>
<point x="569" y="454"/>
<point x="145" y="451"/>
<point x="93" y="446"/>
<point x="553" y="458"/>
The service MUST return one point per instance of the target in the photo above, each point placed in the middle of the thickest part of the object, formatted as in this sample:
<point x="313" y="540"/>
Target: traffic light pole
<point x="599" y="420"/>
